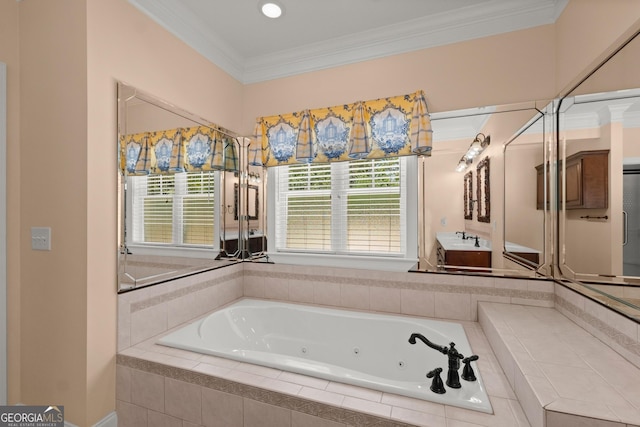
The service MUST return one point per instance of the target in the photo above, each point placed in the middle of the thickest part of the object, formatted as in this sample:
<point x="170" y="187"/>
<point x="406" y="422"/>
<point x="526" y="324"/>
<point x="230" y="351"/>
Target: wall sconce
<point x="254" y="177"/>
<point x="480" y="142"/>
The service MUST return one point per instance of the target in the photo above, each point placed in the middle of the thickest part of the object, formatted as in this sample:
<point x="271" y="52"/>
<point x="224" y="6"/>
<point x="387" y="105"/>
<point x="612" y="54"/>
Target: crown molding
<point x="182" y="23"/>
<point x="482" y="20"/>
<point x="469" y="23"/>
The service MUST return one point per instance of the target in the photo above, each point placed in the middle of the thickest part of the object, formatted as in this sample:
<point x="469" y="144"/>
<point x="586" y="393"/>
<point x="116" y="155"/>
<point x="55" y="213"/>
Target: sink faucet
<point x="453" y="378"/>
<point x="464" y="234"/>
<point x="477" y="245"/>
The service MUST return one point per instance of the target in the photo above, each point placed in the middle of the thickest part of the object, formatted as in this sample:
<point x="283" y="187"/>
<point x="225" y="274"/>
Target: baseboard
<point x="111" y="420"/>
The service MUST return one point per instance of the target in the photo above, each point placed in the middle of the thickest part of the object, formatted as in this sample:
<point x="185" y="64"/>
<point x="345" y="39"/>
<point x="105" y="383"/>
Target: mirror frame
<point x="468" y="195"/>
<point x="483" y="202"/>
<point x="539" y="268"/>
<point x="256" y="205"/>
<point x="173" y="269"/>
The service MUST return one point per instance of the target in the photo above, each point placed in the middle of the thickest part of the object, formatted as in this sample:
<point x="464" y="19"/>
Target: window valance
<point x="198" y="148"/>
<point x="385" y="127"/>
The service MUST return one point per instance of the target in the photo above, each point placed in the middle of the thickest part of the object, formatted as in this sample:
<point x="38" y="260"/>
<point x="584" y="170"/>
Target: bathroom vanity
<point x="453" y="250"/>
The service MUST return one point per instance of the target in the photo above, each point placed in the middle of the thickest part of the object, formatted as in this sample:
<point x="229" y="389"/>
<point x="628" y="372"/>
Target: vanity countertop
<point x="450" y="241"/>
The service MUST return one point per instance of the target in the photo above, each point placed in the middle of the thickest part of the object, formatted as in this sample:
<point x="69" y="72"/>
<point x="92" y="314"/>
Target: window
<point x="173" y="209"/>
<point x="347" y="208"/>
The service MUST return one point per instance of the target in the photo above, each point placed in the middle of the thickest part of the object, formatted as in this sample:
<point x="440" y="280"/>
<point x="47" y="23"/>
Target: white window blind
<point x="304" y="208"/>
<point x="353" y="207"/>
<point x="173" y="209"/>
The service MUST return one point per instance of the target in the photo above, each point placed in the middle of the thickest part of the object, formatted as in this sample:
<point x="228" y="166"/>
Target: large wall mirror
<point x="174" y="170"/>
<point x="599" y="191"/>
<point x="526" y="183"/>
<point x="463" y="199"/>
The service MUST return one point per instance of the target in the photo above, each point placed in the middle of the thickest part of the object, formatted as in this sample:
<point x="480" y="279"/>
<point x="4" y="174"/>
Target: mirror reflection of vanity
<point x="459" y="197"/>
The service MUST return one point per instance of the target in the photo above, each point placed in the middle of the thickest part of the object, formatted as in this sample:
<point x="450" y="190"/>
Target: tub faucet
<point x="467" y="371"/>
<point x="453" y="378"/>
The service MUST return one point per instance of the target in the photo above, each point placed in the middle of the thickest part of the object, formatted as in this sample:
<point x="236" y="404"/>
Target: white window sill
<point x="173" y="251"/>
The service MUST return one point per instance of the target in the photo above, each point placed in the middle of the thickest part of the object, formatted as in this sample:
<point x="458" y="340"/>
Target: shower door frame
<point x="632" y="170"/>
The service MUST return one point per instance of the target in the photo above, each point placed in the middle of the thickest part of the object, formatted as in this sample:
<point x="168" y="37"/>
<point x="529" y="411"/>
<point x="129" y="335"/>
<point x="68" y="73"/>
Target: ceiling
<point x="313" y="35"/>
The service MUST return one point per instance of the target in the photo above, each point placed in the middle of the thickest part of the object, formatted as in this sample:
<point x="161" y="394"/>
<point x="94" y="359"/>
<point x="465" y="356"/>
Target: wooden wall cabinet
<point x="587" y="180"/>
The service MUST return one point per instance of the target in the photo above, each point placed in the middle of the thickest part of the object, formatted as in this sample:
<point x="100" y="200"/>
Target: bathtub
<point x="363" y="349"/>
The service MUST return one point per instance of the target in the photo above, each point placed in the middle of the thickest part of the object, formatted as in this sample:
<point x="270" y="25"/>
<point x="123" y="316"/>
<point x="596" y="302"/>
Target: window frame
<point x="376" y="261"/>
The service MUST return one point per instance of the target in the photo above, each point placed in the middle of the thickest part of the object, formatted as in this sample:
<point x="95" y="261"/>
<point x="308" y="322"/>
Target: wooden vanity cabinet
<point x="463" y="258"/>
<point x="587" y="180"/>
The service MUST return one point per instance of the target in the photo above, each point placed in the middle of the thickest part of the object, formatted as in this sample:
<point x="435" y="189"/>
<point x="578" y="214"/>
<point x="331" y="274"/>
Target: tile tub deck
<point x="151" y="378"/>
<point x="562" y="375"/>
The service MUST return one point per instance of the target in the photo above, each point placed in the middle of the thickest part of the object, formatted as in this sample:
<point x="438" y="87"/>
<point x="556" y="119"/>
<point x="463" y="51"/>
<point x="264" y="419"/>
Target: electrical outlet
<point x="41" y="238"/>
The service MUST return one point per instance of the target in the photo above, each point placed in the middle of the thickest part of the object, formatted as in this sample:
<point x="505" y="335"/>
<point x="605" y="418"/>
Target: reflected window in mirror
<point x="170" y="190"/>
<point x="483" y="192"/>
<point x="175" y="209"/>
<point x="468" y="195"/>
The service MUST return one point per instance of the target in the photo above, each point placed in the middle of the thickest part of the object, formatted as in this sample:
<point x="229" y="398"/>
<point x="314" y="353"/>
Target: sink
<point x="453" y="242"/>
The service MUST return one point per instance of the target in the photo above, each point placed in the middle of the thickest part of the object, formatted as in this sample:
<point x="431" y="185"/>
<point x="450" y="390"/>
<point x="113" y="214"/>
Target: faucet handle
<point x="467" y="371"/>
<point x="436" y="385"/>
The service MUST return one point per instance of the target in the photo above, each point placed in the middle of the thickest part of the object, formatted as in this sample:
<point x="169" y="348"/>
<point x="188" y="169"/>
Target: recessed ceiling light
<point x="271" y="9"/>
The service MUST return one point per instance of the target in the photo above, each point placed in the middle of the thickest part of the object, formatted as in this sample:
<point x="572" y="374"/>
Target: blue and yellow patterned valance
<point x="198" y="148"/>
<point x="386" y="127"/>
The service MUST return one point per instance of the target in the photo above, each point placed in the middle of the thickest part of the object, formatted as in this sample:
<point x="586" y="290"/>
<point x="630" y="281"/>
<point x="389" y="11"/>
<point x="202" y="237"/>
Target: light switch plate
<point x="41" y="238"/>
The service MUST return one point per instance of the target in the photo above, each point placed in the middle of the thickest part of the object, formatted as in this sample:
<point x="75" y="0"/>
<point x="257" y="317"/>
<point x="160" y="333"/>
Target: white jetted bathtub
<point x="364" y="349"/>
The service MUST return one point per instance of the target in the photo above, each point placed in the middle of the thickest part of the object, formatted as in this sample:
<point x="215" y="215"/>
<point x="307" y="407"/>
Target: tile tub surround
<point x="617" y="331"/>
<point x="561" y="374"/>
<point x="435" y="295"/>
<point x="146" y="312"/>
<point x="158" y="385"/>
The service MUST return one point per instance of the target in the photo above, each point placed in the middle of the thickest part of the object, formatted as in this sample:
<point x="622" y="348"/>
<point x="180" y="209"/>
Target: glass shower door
<point x="631" y="226"/>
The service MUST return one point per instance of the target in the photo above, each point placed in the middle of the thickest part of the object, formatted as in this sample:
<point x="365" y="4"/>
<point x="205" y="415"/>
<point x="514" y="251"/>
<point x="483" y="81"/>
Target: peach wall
<point x="618" y="73"/>
<point x="586" y="32"/>
<point x="53" y="179"/>
<point x="126" y="45"/>
<point x="507" y="68"/>
<point x="524" y="223"/>
<point x="9" y="54"/>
